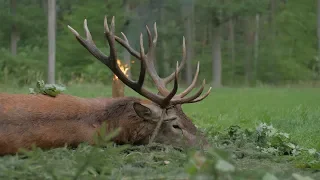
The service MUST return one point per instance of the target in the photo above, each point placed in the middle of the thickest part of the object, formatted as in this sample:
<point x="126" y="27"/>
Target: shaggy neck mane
<point x="120" y="113"/>
<point x="120" y="107"/>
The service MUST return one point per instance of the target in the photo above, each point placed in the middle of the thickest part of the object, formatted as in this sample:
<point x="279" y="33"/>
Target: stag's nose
<point x="206" y="145"/>
<point x="176" y="127"/>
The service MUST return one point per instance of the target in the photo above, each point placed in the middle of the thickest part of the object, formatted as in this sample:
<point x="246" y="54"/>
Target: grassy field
<point x="291" y="110"/>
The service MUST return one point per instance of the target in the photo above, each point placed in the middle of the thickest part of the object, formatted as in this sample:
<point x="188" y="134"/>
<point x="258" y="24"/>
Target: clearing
<point x="295" y="111"/>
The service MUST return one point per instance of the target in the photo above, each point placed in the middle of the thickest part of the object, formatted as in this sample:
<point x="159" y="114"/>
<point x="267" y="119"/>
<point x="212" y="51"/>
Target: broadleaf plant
<point x="47" y="89"/>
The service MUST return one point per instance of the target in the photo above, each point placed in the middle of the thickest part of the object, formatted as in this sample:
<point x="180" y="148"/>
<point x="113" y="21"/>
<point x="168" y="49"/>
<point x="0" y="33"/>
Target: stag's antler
<point x="166" y="97"/>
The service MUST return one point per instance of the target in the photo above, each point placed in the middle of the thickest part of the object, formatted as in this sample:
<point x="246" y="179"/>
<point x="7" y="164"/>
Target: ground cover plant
<point x="256" y="133"/>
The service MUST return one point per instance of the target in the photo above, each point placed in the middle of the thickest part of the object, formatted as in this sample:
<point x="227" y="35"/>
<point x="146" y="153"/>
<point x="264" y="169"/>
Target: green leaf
<point x="224" y="166"/>
<point x="299" y="177"/>
<point x="269" y="176"/>
<point x="31" y="91"/>
<point x="47" y="89"/>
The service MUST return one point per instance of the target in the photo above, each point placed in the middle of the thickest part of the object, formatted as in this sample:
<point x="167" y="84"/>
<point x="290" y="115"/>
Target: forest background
<point x="238" y="43"/>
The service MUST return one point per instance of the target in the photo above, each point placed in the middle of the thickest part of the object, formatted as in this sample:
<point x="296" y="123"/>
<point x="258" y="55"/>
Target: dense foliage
<point x="285" y="51"/>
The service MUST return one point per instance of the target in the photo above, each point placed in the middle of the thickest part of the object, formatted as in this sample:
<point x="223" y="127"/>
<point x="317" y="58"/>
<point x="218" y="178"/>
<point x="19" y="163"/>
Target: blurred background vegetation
<point x="238" y="42"/>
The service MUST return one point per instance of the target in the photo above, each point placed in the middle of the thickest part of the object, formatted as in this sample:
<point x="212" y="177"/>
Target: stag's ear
<point x="142" y="111"/>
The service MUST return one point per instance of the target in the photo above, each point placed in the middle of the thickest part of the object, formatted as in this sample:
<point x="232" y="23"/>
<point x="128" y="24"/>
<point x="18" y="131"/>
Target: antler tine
<point x="193" y="83"/>
<point x="191" y="98"/>
<point x="168" y="79"/>
<point x="105" y="24"/>
<point x="142" y="57"/>
<point x="142" y="74"/>
<point x="155" y="39"/>
<point x="112" y="25"/>
<point x="152" y="45"/>
<point x="202" y="97"/>
<point x="113" y="53"/>
<point x="88" y="34"/>
<point x="149" y="37"/>
<point x="125" y="44"/>
<point x="88" y="43"/>
<point x="175" y="87"/>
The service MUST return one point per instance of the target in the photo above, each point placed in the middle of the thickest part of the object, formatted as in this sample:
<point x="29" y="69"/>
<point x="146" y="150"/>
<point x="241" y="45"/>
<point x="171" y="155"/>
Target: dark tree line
<point x="243" y="42"/>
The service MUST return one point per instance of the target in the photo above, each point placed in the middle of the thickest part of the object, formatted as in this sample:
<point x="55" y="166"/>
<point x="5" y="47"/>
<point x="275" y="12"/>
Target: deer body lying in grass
<point x="51" y="122"/>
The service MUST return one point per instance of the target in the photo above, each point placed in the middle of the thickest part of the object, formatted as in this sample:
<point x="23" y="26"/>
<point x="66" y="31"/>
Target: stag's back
<point x="20" y="108"/>
<point x="47" y="121"/>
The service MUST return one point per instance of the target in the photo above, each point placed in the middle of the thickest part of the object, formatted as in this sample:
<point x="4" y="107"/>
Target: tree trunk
<point x="44" y="5"/>
<point x="51" y="40"/>
<point x="14" y="30"/>
<point x="318" y="34"/>
<point x="205" y="39"/>
<point x="231" y="48"/>
<point x="163" y="65"/>
<point x="126" y="54"/>
<point x="117" y="87"/>
<point x="249" y="45"/>
<point x="188" y="11"/>
<point x="318" y="28"/>
<point x="273" y="4"/>
<point x="216" y="56"/>
<point x="256" y="46"/>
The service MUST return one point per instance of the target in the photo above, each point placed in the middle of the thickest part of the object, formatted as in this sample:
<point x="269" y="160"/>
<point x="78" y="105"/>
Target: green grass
<point x="295" y="111"/>
<point x="291" y="110"/>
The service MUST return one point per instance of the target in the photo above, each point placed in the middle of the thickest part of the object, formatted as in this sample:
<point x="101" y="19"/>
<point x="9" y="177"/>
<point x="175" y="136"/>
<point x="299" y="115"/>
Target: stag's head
<point x="163" y="110"/>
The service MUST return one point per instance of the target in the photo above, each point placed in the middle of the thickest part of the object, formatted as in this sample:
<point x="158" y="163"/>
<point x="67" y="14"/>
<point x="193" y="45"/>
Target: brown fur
<point x="50" y="122"/>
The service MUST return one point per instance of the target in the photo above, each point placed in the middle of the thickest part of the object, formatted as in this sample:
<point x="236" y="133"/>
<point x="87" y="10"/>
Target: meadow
<point x="295" y="111"/>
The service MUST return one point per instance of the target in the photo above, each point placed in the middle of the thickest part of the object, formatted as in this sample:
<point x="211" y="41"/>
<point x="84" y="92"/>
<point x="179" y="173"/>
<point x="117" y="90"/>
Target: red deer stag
<point x="50" y="122"/>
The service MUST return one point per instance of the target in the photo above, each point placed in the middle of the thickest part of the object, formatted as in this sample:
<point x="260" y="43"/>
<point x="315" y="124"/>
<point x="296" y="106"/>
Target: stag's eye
<point x="170" y="119"/>
<point x="169" y="110"/>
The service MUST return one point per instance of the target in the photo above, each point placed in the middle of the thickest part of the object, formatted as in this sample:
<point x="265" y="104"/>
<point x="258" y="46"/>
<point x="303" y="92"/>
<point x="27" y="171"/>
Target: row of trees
<point x="236" y="42"/>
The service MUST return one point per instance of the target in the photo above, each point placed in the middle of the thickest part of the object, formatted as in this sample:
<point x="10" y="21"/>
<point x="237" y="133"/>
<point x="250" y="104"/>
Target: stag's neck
<point x="119" y="113"/>
<point x="110" y="110"/>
